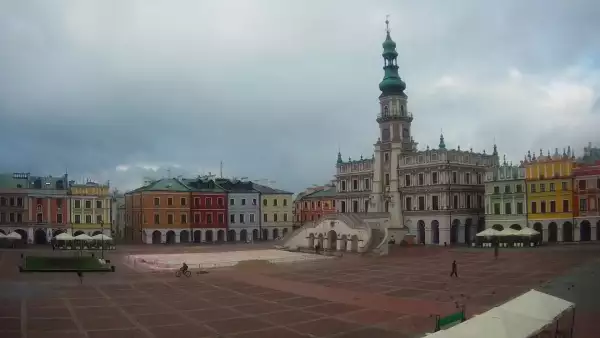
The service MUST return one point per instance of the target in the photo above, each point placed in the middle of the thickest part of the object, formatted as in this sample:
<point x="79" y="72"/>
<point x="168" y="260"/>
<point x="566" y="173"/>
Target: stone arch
<point x="421" y="232"/>
<point x="567" y="230"/>
<point x="516" y="227"/>
<point x="320" y="239"/>
<point x="231" y="235"/>
<point x="311" y="241"/>
<point x="275" y="233"/>
<point x="97" y="232"/>
<point x="255" y="235"/>
<point x="585" y="231"/>
<point x="244" y="235"/>
<point x="354" y="240"/>
<point x="343" y="243"/>
<point x="265" y="234"/>
<point x="77" y="233"/>
<point x="40" y="236"/>
<point x="552" y="232"/>
<point x="454" y="228"/>
<point x="498" y="227"/>
<point x="197" y="236"/>
<point x="468" y="230"/>
<point x="170" y="238"/>
<point x="435" y="232"/>
<point x="285" y="231"/>
<point x="23" y="233"/>
<point x="184" y="236"/>
<point x="537" y="226"/>
<point x="156" y="237"/>
<point x="332" y="239"/>
<point x="221" y="236"/>
<point x="209" y="236"/>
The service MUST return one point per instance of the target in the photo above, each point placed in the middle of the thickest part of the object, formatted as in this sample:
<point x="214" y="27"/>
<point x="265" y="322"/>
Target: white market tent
<point x="83" y="237"/>
<point x="64" y="237"/>
<point x="14" y="235"/>
<point x="489" y="232"/>
<point x="528" y="232"/>
<point x="522" y="317"/>
<point x="509" y="232"/>
<point x="101" y="237"/>
<point x="2" y="235"/>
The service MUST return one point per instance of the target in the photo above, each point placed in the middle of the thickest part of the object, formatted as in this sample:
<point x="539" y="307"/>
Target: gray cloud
<point x="272" y="88"/>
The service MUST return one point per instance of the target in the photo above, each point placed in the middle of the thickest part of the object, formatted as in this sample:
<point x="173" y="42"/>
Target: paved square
<point x="350" y="297"/>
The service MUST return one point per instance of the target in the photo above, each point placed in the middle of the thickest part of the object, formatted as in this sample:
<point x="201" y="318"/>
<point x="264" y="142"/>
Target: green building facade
<point x="505" y="197"/>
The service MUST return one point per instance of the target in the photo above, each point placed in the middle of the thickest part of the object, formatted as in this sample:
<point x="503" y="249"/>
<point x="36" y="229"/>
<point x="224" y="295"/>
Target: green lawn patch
<point x="64" y="264"/>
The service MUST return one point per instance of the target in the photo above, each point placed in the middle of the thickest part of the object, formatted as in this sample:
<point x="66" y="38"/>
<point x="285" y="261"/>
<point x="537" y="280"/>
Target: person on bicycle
<point x="184" y="268"/>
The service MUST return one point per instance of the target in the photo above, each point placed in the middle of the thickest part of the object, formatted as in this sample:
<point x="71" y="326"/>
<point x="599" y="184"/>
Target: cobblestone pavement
<point x="394" y="296"/>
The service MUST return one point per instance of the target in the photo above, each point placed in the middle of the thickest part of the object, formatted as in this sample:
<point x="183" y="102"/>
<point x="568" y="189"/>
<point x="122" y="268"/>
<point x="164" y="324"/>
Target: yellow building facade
<point x="90" y="209"/>
<point x="550" y="195"/>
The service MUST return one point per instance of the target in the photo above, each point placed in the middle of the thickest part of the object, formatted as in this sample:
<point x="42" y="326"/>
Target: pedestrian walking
<point x="454" y="270"/>
<point x="80" y="275"/>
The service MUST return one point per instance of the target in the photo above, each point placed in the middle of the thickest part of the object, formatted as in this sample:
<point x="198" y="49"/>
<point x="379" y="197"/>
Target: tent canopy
<point x="101" y="237"/>
<point x="2" y="235"/>
<point x="83" y="237"/>
<point x="528" y="232"/>
<point x="64" y="237"/>
<point x="509" y="232"/>
<point x="488" y="233"/>
<point x="14" y="235"/>
<point x="538" y="305"/>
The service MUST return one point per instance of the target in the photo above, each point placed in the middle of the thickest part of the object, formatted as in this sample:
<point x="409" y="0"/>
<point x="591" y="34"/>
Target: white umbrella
<point x="509" y="232"/>
<point x="2" y="235"/>
<point x="64" y="237"/>
<point x="83" y="237"/>
<point x="14" y="235"/>
<point x="528" y="232"/>
<point x="489" y="232"/>
<point x="101" y="237"/>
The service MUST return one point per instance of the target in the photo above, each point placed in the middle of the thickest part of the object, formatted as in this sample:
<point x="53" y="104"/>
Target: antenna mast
<point x="221" y="170"/>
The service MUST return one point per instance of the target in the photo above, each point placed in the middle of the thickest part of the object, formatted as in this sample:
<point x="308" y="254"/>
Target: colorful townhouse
<point x="550" y="195"/>
<point x="14" y="204"/>
<point x="276" y="208"/>
<point x="587" y="200"/>
<point x="505" y="197"/>
<point x="315" y="204"/>
<point x="90" y="205"/>
<point x="208" y="210"/>
<point x="243" y="209"/>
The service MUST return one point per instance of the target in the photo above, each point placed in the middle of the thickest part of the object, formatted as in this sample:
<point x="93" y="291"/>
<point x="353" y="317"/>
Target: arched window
<point x="402" y="110"/>
<point x="385" y="111"/>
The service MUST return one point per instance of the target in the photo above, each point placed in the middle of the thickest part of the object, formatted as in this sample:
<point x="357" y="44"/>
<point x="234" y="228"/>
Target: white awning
<point x="538" y="305"/>
<point x="14" y="235"/>
<point x="63" y="237"/>
<point x="489" y="232"/>
<point x="83" y="237"/>
<point x="2" y="235"/>
<point x="528" y="232"/>
<point x="101" y="237"/>
<point x="509" y="232"/>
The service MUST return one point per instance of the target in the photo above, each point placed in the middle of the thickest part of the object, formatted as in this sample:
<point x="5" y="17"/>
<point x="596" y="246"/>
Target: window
<point x="39" y="218"/>
<point x="496" y="208"/>
<point x="197" y="202"/>
<point x="285" y="217"/>
<point x="183" y="201"/>
<point x="170" y="201"/>
<point x="208" y="202"/>
<point x="274" y="217"/>
<point x="265" y="202"/>
<point x="468" y="201"/>
<point x="387" y="179"/>
<point x="407" y="180"/>
<point x="507" y="189"/>
<point x="156" y="219"/>
<point x="254" y="201"/>
<point x="519" y="188"/>
<point x="565" y="205"/>
<point x="479" y="201"/>
<point x="209" y="219"/>
<point x="251" y="218"/>
<point x="232" y="218"/>
<point x="507" y="209"/>
<point x="219" y="201"/>
<point x="583" y="204"/>
<point x="434" y="178"/>
<point x="318" y="204"/>
<point x="183" y="218"/>
<point x="542" y="187"/>
<point x="386" y="157"/>
<point x="564" y="186"/>
<point x="435" y="202"/>
<point x="243" y="201"/>
<point x="552" y="206"/>
<point x="367" y="186"/>
<point x="421" y="179"/>
<point x="58" y="202"/>
<point x="408" y="203"/>
<point x="170" y="219"/>
<point x="543" y="207"/>
<point x="285" y="201"/>
<point x="354" y="184"/>
<point x="478" y="178"/>
<point x="468" y="178"/>
<point x="598" y="183"/>
<point x="496" y="190"/>
<point x="78" y="203"/>
<point x="532" y="187"/>
<point x="156" y="202"/>
<point x="37" y="200"/>
<point x="98" y="219"/>
<point x="197" y="218"/>
<point x="421" y="203"/>
<point x="454" y="177"/>
<point x="242" y="219"/>
<point x="265" y="218"/>
<point x="59" y="218"/>
<point x="88" y="219"/>
<point x="99" y="204"/>
<point x="334" y="203"/>
<point x="77" y="219"/>
<point x="231" y="201"/>
<point x="520" y="208"/>
<point x="312" y="205"/>
<point x="455" y="202"/>
<point x="88" y="204"/>
<point x="582" y="184"/>
<point x="343" y="185"/>
<point x="552" y="187"/>
<point x="275" y="202"/>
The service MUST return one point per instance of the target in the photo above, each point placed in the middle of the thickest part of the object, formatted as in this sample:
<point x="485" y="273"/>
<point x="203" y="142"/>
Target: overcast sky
<point x="118" y="89"/>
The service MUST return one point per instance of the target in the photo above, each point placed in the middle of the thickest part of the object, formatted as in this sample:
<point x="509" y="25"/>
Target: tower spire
<point x="391" y="84"/>
<point x="442" y="144"/>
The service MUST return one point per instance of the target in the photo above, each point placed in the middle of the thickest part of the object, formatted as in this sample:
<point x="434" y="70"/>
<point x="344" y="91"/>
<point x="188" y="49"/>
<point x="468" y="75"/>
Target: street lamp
<point x="102" y="241"/>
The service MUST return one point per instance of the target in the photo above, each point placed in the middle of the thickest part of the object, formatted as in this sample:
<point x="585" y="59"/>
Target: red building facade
<point x="312" y="206"/>
<point x="208" y="208"/>
<point x="587" y="201"/>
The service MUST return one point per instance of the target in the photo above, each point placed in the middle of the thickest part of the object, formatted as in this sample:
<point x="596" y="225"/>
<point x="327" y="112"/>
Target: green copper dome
<point x="391" y="84"/>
